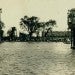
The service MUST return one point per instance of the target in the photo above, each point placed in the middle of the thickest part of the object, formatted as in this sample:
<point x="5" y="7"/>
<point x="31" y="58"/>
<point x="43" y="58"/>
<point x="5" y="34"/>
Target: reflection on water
<point x="22" y="58"/>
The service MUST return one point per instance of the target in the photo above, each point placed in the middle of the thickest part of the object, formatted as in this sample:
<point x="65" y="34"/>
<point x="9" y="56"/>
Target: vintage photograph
<point x="37" y="37"/>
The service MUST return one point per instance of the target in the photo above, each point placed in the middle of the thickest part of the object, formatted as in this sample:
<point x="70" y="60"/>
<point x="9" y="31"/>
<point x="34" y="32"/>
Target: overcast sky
<point x="13" y="10"/>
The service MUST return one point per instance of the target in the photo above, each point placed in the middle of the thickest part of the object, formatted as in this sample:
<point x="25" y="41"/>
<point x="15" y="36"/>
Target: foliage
<point x="11" y="33"/>
<point x="1" y="25"/>
<point x="33" y="24"/>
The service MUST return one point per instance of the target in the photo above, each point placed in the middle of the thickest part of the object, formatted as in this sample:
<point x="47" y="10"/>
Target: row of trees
<point x="31" y="24"/>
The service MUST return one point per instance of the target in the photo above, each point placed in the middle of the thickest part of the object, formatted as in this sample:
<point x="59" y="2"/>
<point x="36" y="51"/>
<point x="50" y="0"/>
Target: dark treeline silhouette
<point x="33" y="30"/>
<point x="12" y="34"/>
<point x="35" y="26"/>
<point x="1" y="31"/>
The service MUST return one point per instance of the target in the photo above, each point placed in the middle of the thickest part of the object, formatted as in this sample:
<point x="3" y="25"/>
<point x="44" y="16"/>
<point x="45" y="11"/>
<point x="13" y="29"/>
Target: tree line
<point x="31" y="25"/>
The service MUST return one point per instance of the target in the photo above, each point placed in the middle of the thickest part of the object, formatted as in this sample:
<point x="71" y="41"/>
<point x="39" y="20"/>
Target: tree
<point x="1" y="31"/>
<point x="31" y="23"/>
<point x="11" y="33"/>
<point x="49" y="26"/>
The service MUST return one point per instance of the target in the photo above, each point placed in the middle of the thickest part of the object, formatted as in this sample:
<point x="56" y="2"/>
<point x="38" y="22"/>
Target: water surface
<point x="41" y="58"/>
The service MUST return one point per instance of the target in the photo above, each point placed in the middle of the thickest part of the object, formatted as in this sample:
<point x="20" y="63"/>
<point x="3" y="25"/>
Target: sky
<point x="14" y="10"/>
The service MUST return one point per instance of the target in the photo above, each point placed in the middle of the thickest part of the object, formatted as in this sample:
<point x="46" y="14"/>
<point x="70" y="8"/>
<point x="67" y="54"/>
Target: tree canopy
<point x="33" y="23"/>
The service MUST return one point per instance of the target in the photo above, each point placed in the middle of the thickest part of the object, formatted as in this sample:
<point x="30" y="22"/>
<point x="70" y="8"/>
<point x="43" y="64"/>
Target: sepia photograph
<point x="37" y="37"/>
